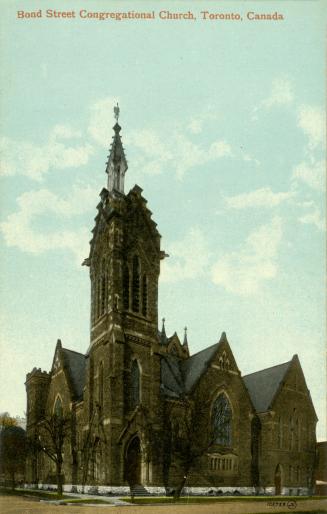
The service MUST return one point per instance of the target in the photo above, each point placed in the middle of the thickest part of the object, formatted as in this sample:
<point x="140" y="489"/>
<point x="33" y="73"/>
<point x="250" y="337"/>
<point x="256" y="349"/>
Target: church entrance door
<point x="278" y="480"/>
<point x="133" y="462"/>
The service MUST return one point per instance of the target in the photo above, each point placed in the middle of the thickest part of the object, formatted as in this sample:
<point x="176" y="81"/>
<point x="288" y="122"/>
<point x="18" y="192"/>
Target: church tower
<point x="123" y="371"/>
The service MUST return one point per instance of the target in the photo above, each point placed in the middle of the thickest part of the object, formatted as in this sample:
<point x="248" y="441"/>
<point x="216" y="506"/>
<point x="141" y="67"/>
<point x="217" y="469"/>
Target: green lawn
<point x="42" y="495"/>
<point x="86" y="500"/>
<point x="45" y="495"/>
<point x="212" y="499"/>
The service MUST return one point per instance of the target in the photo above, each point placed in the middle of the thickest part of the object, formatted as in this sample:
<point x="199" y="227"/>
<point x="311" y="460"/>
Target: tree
<point x="6" y="420"/>
<point x="53" y="432"/>
<point x="12" y="452"/>
<point x="190" y="435"/>
<point x="93" y="437"/>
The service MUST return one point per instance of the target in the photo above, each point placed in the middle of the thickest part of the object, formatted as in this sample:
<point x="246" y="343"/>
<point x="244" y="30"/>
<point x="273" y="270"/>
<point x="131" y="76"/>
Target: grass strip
<point x="87" y="500"/>
<point x="43" y="495"/>
<point x="208" y="499"/>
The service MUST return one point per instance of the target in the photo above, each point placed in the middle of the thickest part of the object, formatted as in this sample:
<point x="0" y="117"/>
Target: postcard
<point x="163" y="239"/>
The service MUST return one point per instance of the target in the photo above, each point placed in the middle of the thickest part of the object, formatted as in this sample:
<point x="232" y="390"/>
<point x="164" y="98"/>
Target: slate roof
<point x="263" y="385"/>
<point x="76" y="364"/>
<point x="179" y="376"/>
<point x="172" y="383"/>
<point x="193" y="367"/>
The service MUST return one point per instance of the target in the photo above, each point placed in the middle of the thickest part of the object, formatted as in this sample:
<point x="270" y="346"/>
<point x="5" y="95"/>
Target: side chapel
<point x="127" y="395"/>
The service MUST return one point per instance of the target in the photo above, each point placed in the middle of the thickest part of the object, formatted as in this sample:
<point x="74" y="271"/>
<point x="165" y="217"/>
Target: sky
<point x="223" y="126"/>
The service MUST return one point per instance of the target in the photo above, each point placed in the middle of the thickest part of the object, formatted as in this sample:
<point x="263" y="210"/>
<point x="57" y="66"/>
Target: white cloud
<point x="311" y="174"/>
<point x="101" y="120"/>
<point x="169" y="148"/>
<point x="314" y="218"/>
<point x="18" y="230"/>
<point x="195" y="126"/>
<point x="196" y="123"/>
<point x="263" y="197"/>
<point x="158" y="152"/>
<point x="188" y="154"/>
<point x="243" y="272"/>
<point x="248" y="158"/>
<point x="34" y="161"/>
<point x="281" y="93"/>
<point x="219" y="149"/>
<point x="311" y="120"/>
<point x="188" y="258"/>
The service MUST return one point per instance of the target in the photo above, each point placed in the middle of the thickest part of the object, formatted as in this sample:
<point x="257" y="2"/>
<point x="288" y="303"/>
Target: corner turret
<point x="37" y="387"/>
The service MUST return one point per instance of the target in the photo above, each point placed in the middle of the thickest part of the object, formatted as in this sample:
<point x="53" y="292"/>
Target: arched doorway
<point x="133" y="462"/>
<point x="278" y="480"/>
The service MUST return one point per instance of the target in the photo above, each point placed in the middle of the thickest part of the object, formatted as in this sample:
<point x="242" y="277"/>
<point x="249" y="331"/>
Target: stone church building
<point x="141" y="409"/>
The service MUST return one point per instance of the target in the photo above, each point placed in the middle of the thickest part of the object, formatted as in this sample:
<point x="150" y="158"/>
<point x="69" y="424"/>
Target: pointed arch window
<point x="103" y="292"/>
<point x="58" y="410"/>
<point x="222" y="421"/>
<point x="144" y="295"/>
<point x="280" y="432"/>
<point x="100" y="383"/>
<point x="135" y="384"/>
<point x="136" y="284"/>
<point x="126" y="287"/>
<point x="98" y="300"/>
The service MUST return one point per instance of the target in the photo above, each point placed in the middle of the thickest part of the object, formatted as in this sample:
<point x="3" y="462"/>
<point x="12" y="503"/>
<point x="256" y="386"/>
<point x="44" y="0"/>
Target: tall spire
<point x="117" y="164"/>
<point x="163" y="337"/>
<point x="185" y="342"/>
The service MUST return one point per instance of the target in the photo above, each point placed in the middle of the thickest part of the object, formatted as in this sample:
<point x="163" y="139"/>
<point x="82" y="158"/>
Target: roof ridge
<point x="204" y="350"/>
<point x="74" y="351"/>
<point x="270" y="367"/>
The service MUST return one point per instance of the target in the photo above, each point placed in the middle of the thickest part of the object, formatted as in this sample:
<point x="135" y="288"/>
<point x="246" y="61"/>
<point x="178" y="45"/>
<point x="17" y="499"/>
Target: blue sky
<point x="223" y="127"/>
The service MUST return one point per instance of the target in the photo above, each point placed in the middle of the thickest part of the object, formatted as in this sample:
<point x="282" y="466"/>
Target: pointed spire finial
<point x="116" y="112"/>
<point x="223" y="337"/>
<point x="185" y="343"/>
<point x="163" y="337"/>
<point x="117" y="164"/>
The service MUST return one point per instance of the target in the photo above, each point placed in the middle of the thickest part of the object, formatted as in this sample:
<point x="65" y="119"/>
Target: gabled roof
<point x="172" y="383"/>
<point x="263" y="385"/>
<point x="193" y="367"/>
<point x="178" y="376"/>
<point x="75" y="363"/>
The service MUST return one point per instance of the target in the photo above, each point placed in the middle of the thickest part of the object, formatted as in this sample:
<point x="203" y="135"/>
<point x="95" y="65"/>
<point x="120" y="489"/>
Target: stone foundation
<point x="107" y="490"/>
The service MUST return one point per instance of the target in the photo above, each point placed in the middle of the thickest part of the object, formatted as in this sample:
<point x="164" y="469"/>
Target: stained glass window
<point x="58" y="408"/>
<point x="222" y="421"/>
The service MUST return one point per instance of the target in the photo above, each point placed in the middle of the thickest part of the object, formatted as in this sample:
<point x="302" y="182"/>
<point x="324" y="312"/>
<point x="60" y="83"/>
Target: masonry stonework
<point x="132" y="397"/>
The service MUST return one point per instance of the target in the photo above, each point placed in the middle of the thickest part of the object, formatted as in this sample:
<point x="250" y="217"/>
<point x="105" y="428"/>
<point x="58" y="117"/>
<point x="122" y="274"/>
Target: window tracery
<point x="222" y="421"/>
<point x="58" y="410"/>
<point x="224" y="362"/>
